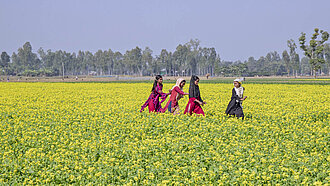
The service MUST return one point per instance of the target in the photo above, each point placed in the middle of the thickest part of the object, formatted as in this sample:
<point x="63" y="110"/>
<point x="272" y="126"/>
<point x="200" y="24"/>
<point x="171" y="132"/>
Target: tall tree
<point x="48" y="61"/>
<point x="296" y="63"/>
<point x="147" y="57"/>
<point x="203" y="62"/>
<point x="306" y="67"/>
<point x="4" y="62"/>
<point x="29" y="60"/>
<point x="164" y="61"/>
<point x="88" y="62"/>
<point x="100" y="61"/>
<point x="293" y="56"/>
<point x="275" y="56"/>
<point x="80" y="62"/>
<point x="193" y="56"/>
<point x="110" y="61"/>
<point x="133" y="60"/>
<point x="118" y="63"/>
<point x="252" y="65"/>
<point x="212" y="60"/>
<point x="180" y="59"/>
<point x="286" y="59"/>
<point x="314" y="51"/>
<point x="59" y="59"/>
<point x="327" y="56"/>
<point x="17" y="65"/>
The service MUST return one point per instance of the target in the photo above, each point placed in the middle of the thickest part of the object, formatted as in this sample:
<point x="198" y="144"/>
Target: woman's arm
<point x="169" y="92"/>
<point x="159" y="91"/>
<point x="244" y="98"/>
<point x="180" y="91"/>
<point x="199" y="102"/>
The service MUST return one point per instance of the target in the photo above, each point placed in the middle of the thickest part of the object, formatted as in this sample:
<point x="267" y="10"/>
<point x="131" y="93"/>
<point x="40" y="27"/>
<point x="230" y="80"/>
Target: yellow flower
<point x="93" y="133"/>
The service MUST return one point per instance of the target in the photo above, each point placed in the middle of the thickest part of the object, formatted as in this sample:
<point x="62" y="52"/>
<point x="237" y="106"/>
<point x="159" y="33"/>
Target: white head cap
<point x="239" y="80"/>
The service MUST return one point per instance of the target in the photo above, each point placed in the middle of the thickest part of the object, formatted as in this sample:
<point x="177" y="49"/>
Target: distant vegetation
<point x="187" y="59"/>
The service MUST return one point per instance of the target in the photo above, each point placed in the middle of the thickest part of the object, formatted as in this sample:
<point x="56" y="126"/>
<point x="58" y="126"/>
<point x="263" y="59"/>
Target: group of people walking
<point x="195" y="103"/>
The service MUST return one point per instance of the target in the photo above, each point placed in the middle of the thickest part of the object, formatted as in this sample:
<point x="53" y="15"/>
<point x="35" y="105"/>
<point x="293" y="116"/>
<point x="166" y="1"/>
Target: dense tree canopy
<point x="187" y="59"/>
<point x="314" y="50"/>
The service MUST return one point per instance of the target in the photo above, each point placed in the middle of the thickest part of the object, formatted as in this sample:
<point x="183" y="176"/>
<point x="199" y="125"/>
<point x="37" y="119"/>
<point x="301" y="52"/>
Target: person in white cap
<point x="235" y="107"/>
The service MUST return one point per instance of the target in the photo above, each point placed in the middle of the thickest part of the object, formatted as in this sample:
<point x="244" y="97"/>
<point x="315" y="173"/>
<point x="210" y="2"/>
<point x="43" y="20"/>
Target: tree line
<point x="189" y="58"/>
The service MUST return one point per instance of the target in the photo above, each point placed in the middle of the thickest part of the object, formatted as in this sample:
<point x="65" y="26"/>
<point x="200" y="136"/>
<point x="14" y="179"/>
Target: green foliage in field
<point x="92" y="133"/>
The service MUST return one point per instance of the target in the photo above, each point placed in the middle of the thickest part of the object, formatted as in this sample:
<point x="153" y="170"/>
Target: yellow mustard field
<point x="93" y="133"/>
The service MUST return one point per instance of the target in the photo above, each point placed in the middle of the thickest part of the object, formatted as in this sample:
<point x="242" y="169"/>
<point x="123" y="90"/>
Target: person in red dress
<point x="195" y="101"/>
<point x="176" y="94"/>
<point x="153" y="103"/>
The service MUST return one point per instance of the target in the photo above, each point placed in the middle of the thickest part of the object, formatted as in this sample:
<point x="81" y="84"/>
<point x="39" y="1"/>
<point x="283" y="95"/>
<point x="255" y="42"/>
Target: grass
<point x="171" y="80"/>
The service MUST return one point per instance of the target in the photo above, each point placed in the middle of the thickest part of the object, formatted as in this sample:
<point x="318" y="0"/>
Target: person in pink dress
<point x="176" y="94"/>
<point x="195" y="101"/>
<point x="153" y="103"/>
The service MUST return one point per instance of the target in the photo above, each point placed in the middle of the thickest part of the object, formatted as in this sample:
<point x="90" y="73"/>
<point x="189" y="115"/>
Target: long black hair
<point x="194" y="89"/>
<point x="155" y="82"/>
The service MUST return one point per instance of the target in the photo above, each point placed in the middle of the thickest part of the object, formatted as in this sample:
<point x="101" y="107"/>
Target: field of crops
<point x="80" y="133"/>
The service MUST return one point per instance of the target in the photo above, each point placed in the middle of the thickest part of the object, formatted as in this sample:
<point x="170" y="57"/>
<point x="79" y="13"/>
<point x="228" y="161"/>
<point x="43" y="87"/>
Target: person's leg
<point x="176" y="110"/>
<point x="151" y="106"/>
<point x="170" y="107"/>
<point x="239" y="113"/>
<point x="189" y="108"/>
<point x="198" y="110"/>
<point x="192" y="108"/>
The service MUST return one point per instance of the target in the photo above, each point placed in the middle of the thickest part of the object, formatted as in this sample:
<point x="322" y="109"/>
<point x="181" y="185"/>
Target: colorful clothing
<point x="194" y="94"/>
<point x="173" y="102"/>
<point x="194" y="107"/>
<point x="153" y="103"/>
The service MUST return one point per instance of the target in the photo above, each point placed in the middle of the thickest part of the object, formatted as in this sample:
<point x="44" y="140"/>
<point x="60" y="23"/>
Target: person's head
<point x="159" y="81"/>
<point x="193" y="88"/>
<point x="194" y="80"/>
<point x="183" y="82"/>
<point x="237" y="84"/>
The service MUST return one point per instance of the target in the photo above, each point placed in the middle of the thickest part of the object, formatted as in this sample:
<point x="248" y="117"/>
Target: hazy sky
<point x="237" y="29"/>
